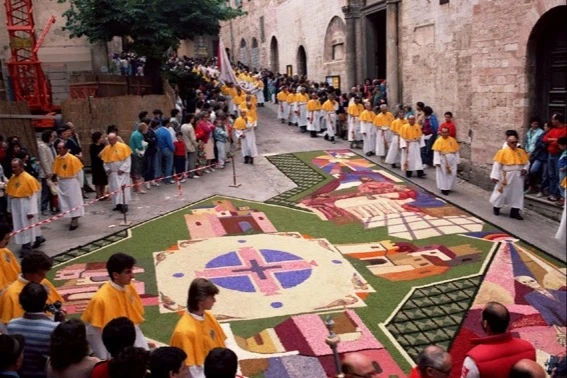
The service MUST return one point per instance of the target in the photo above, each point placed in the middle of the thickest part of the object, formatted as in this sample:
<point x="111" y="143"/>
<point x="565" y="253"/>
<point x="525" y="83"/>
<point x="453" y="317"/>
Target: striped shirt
<point x="36" y="329"/>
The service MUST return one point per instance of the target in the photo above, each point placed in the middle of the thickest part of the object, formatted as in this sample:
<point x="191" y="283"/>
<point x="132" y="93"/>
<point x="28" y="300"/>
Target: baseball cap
<point x="11" y="346"/>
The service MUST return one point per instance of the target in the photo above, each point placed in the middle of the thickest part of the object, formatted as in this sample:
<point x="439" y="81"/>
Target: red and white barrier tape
<point x="61" y="215"/>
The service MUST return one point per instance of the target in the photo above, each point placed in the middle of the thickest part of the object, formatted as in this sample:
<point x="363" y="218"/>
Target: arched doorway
<point x="335" y="40"/>
<point x="301" y="61"/>
<point x="547" y="63"/>
<point x="255" y="53"/>
<point x="274" y="56"/>
<point x="243" y="56"/>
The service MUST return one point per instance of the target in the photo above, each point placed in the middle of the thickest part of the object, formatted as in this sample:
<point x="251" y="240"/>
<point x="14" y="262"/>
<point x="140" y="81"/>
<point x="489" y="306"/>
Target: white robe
<point x="70" y="196"/>
<point x="292" y="117"/>
<point x="354" y="133"/>
<point x="513" y="192"/>
<point x="412" y="154"/>
<point x="562" y="230"/>
<point x="393" y="156"/>
<point x="446" y="180"/>
<point x="331" y="121"/>
<point x="283" y="110"/>
<point x="116" y="181"/>
<point x="248" y="143"/>
<point x="383" y="140"/>
<point x="20" y="208"/>
<point x="369" y="141"/>
<point x="315" y="125"/>
<point x="260" y="95"/>
<point x="301" y="107"/>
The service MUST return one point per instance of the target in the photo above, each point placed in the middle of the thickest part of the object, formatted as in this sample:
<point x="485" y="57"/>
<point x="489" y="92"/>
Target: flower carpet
<point x="395" y="268"/>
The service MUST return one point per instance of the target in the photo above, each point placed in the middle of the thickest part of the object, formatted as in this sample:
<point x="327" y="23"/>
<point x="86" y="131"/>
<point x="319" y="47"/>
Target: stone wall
<point x="293" y="23"/>
<point x="471" y="57"/>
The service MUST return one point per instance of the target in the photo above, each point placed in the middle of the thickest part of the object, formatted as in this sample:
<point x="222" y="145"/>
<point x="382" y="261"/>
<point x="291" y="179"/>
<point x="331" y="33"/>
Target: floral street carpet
<point x="392" y="267"/>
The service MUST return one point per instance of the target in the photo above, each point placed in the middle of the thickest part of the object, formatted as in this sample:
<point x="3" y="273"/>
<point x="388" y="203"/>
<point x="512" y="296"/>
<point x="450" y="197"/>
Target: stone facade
<point x="475" y="58"/>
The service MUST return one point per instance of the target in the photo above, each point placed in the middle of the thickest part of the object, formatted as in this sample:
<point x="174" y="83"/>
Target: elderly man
<point x="301" y="99"/>
<point x="382" y="122"/>
<point x="509" y="170"/>
<point x="368" y="130"/>
<point x="244" y="129"/>
<point x="411" y="141"/>
<point x="445" y="158"/>
<point x="117" y="162"/>
<point x="355" y="365"/>
<point x="22" y="190"/>
<point x="432" y="362"/>
<point x="495" y="354"/>
<point x="67" y="172"/>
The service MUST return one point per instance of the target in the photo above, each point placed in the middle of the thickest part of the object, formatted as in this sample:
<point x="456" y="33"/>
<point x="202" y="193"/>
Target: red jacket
<point x="556" y="132"/>
<point x="495" y="355"/>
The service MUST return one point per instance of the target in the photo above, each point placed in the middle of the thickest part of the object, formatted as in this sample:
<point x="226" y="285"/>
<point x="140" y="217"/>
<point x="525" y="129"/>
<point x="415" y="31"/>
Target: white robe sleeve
<point x="495" y="174"/>
<point x="94" y="337"/>
<point x="126" y="164"/>
<point x="106" y="166"/>
<point x="33" y="204"/>
<point x="457" y="158"/>
<point x="196" y="371"/>
<point x="422" y="141"/>
<point x="436" y="158"/>
<point x="403" y="143"/>
<point x="470" y="370"/>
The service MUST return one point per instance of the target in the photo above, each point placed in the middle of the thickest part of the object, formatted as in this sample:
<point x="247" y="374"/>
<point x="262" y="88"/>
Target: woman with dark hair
<point x="100" y="180"/>
<point x="69" y="352"/>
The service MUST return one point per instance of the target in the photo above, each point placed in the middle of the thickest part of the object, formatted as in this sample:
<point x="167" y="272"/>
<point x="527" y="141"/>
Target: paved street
<point x="263" y="181"/>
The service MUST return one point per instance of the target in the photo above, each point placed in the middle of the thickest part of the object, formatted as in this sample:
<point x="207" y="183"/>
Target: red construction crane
<point x="28" y="79"/>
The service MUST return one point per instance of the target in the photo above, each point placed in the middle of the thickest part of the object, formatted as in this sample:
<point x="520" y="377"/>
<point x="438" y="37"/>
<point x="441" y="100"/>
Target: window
<point x="441" y="2"/>
<point x="338" y="51"/>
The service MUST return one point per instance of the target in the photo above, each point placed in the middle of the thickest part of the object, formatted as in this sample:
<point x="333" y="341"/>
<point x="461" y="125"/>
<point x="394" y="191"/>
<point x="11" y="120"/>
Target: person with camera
<point x="36" y="327"/>
<point x="35" y="266"/>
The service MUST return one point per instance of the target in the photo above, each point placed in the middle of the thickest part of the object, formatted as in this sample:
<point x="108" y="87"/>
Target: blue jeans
<point x="538" y="172"/>
<point x="553" y="171"/>
<point x="165" y="163"/>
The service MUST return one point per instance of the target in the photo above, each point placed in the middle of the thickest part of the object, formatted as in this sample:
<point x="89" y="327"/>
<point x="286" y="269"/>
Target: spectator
<point x="138" y="146"/>
<point x="35" y="266"/>
<point x="113" y="129"/>
<point x="132" y="362"/>
<point x="36" y="327"/>
<point x="419" y="106"/>
<point x="100" y="179"/>
<point x="527" y="369"/>
<point x="221" y="363"/>
<point x="117" y="335"/>
<point x="179" y="157"/>
<point x="151" y="156"/>
<point x="11" y="355"/>
<point x="562" y="166"/>
<point x="69" y="352"/>
<point x="449" y="124"/>
<point x="165" y="152"/>
<point x="429" y="126"/>
<point x="495" y="354"/>
<point x="46" y="151"/>
<point x="3" y="202"/>
<point x="356" y="365"/>
<point x="169" y="362"/>
<point x="538" y="175"/>
<point x="175" y="120"/>
<point x="559" y="130"/>
<point x="191" y="144"/>
<point x="432" y="362"/>
<point x="141" y="116"/>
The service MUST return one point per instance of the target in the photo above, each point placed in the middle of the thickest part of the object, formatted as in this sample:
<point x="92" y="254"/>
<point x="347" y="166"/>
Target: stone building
<point x="493" y="63"/>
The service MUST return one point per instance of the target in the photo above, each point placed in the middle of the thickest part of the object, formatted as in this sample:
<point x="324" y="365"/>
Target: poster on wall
<point x="334" y="80"/>
<point x="289" y="70"/>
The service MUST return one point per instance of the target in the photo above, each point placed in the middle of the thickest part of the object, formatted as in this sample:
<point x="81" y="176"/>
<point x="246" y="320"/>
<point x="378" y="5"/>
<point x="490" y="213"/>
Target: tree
<point x="152" y="27"/>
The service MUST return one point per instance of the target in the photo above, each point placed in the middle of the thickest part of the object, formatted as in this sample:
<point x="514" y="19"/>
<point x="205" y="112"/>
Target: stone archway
<point x="274" y="55"/>
<point x="547" y="63"/>
<point x="255" y="55"/>
<point x="335" y="40"/>
<point x="301" y="61"/>
<point x="243" y="53"/>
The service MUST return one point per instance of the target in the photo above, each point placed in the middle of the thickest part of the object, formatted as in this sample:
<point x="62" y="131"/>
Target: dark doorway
<point x="548" y="50"/>
<point x="274" y="56"/>
<point x="301" y="61"/>
<point x="376" y="45"/>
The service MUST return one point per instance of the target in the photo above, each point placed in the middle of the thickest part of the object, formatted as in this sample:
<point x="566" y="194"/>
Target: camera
<point x="551" y="363"/>
<point x="55" y="309"/>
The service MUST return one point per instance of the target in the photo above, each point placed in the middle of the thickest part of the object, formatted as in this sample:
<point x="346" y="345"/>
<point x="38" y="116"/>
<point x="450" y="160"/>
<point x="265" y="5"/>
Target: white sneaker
<point x="195" y="177"/>
<point x="147" y="185"/>
<point x="182" y="180"/>
<point x="142" y="191"/>
<point x="539" y="195"/>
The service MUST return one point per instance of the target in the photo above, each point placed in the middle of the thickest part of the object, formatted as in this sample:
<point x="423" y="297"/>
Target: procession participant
<point x="67" y="173"/>
<point x="23" y="190"/>
<point x="291" y="117"/>
<point x="382" y="123"/>
<point x="238" y="99"/>
<point x="393" y="156"/>
<point x="314" y="115"/>
<point x="198" y="332"/>
<point x="329" y="110"/>
<point x="353" y="111"/>
<point x="283" y="106"/>
<point x="9" y="265"/>
<point x="411" y="141"/>
<point x="258" y="90"/>
<point x="446" y="158"/>
<point x="35" y="266"/>
<point x="301" y="99"/>
<point x="509" y="170"/>
<point x="368" y="130"/>
<point x="115" y="298"/>
<point x="244" y="129"/>
<point x="229" y="92"/>
<point x="117" y="162"/>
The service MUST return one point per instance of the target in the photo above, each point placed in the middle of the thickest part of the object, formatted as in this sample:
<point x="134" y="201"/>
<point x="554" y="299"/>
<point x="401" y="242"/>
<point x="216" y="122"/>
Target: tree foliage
<point x="151" y="26"/>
